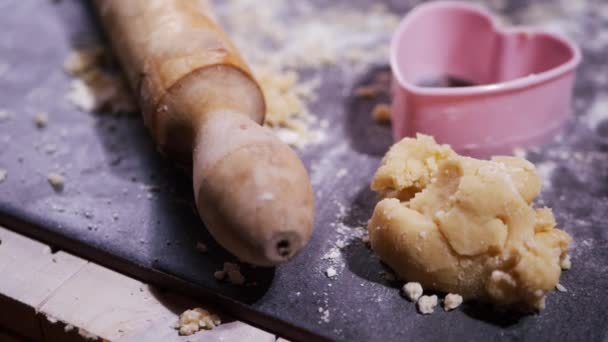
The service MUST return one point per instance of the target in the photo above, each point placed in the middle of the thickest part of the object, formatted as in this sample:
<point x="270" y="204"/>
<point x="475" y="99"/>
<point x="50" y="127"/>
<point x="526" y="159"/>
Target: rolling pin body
<point x="202" y="106"/>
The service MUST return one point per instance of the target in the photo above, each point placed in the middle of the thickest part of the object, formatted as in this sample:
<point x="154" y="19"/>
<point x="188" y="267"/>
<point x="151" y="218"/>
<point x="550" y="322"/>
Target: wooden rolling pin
<point x="203" y="107"/>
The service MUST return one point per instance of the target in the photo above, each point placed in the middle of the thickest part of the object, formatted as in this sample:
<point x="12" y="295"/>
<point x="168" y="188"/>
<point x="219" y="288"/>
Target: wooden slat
<point x="30" y="274"/>
<point x="228" y="332"/>
<point x="108" y="304"/>
<point x="45" y="292"/>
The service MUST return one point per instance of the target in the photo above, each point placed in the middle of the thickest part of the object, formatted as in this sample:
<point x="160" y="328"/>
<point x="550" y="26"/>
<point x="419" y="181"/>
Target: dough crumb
<point x="452" y="301"/>
<point x="561" y="288"/>
<point x="68" y="328"/>
<point x="412" y="291"/>
<point x="520" y="152"/>
<point x="87" y="335"/>
<point x="3" y="175"/>
<point x="94" y="88"/>
<point x="565" y="263"/>
<point x="331" y="272"/>
<point x="382" y="113"/>
<point x="286" y="98"/>
<point x="192" y="321"/>
<point x="333" y="253"/>
<point x="324" y="315"/>
<point x="41" y="120"/>
<point x="201" y="247"/>
<point x="427" y="304"/>
<point x="231" y="273"/>
<point x="368" y="91"/>
<point x="5" y="115"/>
<point x="468" y="226"/>
<point x="49" y="148"/>
<point x="82" y="60"/>
<point x="341" y="173"/>
<point x="56" y="181"/>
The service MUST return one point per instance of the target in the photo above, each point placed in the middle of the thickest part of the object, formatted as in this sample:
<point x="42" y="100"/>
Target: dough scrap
<point x="191" y="321"/>
<point x="467" y="226"/>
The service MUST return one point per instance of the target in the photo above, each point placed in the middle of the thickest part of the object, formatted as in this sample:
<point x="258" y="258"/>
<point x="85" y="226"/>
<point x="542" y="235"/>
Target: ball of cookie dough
<point x="462" y="225"/>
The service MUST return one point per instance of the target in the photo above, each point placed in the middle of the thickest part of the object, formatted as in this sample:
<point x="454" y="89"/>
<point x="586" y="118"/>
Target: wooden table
<point x="48" y="295"/>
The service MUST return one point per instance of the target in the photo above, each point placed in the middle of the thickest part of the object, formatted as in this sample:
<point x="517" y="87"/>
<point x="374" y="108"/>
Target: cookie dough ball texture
<point x="467" y="226"/>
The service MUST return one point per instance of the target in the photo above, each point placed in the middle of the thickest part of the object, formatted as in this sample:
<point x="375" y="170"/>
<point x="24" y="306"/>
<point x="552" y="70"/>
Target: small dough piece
<point x="191" y="321"/>
<point x="467" y="226"/>
<point x="412" y="291"/>
<point x="566" y="263"/>
<point x="427" y="304"/>
<point x="452" y="301"/>
<point x="231" y="273"/>
<point x="41" y="120"/>
<point x="56" y="181"/>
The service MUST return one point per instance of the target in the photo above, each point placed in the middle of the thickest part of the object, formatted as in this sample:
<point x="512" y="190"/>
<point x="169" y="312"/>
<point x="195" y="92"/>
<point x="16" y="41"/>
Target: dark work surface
<point x="123" y="206"/>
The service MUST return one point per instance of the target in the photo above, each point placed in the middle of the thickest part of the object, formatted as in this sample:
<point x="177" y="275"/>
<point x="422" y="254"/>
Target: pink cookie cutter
<point x="522" y="80"/>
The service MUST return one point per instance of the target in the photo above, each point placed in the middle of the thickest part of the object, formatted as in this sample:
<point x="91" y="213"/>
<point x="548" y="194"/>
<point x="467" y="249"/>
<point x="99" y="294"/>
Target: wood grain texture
<point x="57" y="296"/>
<point x="31" y="274"/>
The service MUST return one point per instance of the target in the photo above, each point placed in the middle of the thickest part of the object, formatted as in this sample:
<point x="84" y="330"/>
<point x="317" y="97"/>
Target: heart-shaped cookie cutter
<point x="520" y="80"/>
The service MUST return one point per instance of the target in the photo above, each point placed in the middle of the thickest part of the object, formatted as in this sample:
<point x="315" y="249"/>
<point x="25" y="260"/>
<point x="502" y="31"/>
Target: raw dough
<point x="452" y="301"/>
<point x="467" y="226"/>
<point x="427" y="304"/>
<point x="412" y="291"/>
<point x="191" y="321"/>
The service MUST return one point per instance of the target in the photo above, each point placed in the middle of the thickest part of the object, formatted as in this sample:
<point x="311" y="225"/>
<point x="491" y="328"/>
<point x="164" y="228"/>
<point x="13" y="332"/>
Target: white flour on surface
<point x="304" y="42"/>
<point x="598" y="113"/>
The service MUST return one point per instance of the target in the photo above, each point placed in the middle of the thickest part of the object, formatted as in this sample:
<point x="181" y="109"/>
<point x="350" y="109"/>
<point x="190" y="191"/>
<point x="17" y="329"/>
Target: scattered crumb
<point x="50" y="148"/>
<point x="192" y="321"/>
<point x="427" y="304"/>
<point x="87" y="335"/>
<point x="545" y="171"/>
<point x="5" y="115"/>
<point x="286" y="109"/>
<point x="368" y="91"/>
<point x="520" y="153"/>
<point x="566" y="263"/>
<point x="331" y="272"/>
<point x="560" y="288"/>
<point x="82" y="60"/>
<point x="452" y="301"/>
<point x="95" y="88"/>
<point x="3" y="175"/>
<point x="382" y="113"/>
<point x="412" y="291"/>
<point x="341" y="173"/>
<point x="231" y="273"/>
<point x="338" y="35"/>
<point x="201" y="247"/>
<point x="41" y="120"/>
<point x="333" y="253"/>
<point x="115" y="216"/>
<point x="324" y="315"/>
<point x="68" y="328"/>
<point x="56" y="181"/>
<point x="51" y="319"/>
<point x="598" y="113"/>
